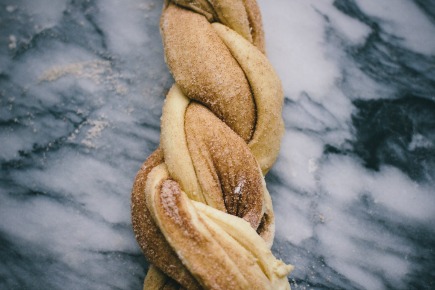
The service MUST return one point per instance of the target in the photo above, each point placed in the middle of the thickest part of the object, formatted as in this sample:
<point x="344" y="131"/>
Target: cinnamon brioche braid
<point x="200" y="208"/>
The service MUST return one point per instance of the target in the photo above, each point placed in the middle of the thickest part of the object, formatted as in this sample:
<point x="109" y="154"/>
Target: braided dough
<point x="200" y="208"/>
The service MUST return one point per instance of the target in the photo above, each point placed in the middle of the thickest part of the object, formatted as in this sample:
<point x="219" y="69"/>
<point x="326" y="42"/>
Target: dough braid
<point x="200" y="208"/>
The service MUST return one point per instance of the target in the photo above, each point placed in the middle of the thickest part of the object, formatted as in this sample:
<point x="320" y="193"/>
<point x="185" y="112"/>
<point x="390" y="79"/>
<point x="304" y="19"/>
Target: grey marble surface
<point x="81" y="90"/>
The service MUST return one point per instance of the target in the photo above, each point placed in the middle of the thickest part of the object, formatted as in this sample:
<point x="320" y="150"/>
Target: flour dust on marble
<point x="81" y="89"/>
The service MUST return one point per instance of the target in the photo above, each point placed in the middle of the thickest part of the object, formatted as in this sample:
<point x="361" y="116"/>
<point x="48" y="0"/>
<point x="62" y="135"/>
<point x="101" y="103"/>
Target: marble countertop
<point x="82" y="85"/>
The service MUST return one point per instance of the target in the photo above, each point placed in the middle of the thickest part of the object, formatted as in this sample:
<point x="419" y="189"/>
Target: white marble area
<point x="82" y="85"/>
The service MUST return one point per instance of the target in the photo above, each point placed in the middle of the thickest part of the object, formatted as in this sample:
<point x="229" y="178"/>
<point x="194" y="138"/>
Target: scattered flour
<point x="98" y="71"/>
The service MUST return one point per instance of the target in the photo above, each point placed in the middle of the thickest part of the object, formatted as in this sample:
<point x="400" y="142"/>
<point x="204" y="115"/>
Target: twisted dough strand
<point x="200" y="208"/>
